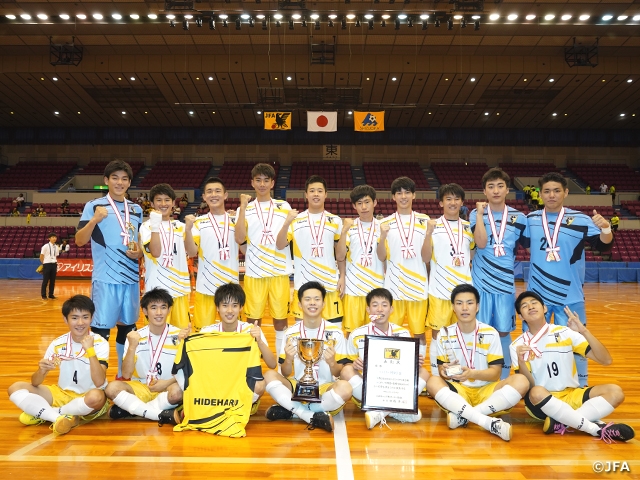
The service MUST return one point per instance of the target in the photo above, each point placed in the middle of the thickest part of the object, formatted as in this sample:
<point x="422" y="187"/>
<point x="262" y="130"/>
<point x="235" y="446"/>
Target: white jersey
<point x="364" y="270"/>
<point x="263" y="259"/>
<point x="142" y="357"/>
<point x="555" y="370"/>
<point x="406" y="278"/>
<point x="75" y="372"/>
<point x="307" y="266"/>
<point x="243" y="327"/>
<point x="488" y="350"/>
<point x="445" y="275"/>
<point x="173" y="277"/>
<point x="355" y="343"/>
<point x="214" y="269"/>
<point x="328" y="332"/>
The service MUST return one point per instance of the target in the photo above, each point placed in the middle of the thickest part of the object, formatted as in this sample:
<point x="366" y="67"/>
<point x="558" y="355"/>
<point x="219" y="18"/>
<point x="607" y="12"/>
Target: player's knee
<point x="615" y="394"/>
<point x="347" y="372"/>
<point x="174" y="394"/>
<point x="260" y="387"/>
<point x="113" y="389"/>
<point x="435" y="384"/>
<point x="519" y="382"/>
<point x="424" y="374"/>
<point x="95" y="399"/>
<point x="17" y="386"/>
<point x="343" y="389"/>
<point x="538" y="394"/>
<point x="280" y="325"/>
<point x="270" y="376"/>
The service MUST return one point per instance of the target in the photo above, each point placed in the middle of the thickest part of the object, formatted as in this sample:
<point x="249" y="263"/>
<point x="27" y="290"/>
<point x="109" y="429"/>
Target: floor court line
<point x="27" y="448"/>
<point x="344" y="465"/>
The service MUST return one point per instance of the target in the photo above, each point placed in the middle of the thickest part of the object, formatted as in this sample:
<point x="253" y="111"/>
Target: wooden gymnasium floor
<point x="139" y="449"/>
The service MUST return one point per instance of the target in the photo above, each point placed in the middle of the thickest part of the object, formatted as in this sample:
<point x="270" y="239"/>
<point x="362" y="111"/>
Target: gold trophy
<point x="132" y="246"/>
<point x="310" y="352"/>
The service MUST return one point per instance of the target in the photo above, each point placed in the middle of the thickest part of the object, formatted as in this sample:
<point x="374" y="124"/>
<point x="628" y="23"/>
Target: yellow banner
<point x="368" y="121"/>
<point x="277" y="120"/>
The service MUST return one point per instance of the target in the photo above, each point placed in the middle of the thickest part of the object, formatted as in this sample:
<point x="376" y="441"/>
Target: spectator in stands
<point x="141" y="198"/>
<point x="15" y="212"/>
<point x="615" y="221"/>
<point x="464" y="212"/>
<point x="184" y="201"/>
<point x="177" y="211"/>
<point x="71" y="188"/>
<point x="64" y="247"/>
<point x="587" y="190"/>
<point x="540" y="203"/>
<point x="127" y="196"/>
<point x="604" y="189"/>
<point x="65" y="204"/>
<point x="65" y="211"/>
<point x="19" y="200"/>
<point x="612" y="191"/>
<point x="534" y="199"/>
<point x="527" y="192"/>
<point x="40" y="211"/>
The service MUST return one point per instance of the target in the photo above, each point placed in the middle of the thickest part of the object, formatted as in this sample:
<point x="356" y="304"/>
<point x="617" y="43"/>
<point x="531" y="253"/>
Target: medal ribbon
<point x="123" y="223"/>
<point x="366" y="259"/>
<point x="154" y="355"/>
<point x="219" y="327"/>
<point x="458" y="256"/>
<point x="267" y="234"/>
<point x="498" y="247"/>
<point x="373" y="330"/>
<point x="317" y="245"/>
<point x="470" y="360"/>
<point x="406" y="241"/>
<point x="553" y="251"/>
<point x="531" y="342"/>
<point x="166" y="239"/>
<point x="69" y="351"/>
<point x="222" y="235"/>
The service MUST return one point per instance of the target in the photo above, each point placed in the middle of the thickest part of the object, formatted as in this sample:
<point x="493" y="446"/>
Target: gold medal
<point x="153" y="381"/>
<point x="457" y="262"/>
<point x="56" y="360"/>
<point x="550" y="257"/>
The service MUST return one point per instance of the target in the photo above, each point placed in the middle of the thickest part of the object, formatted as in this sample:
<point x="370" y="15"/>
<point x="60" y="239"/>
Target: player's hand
<point x="464" y="376"/>
<point x="442" y="370"/>
<point x="599" y="220"/>
<point x="255" y="331"/>
<point x="480" y="206"/>
<point x="100" y="213"/>
<point x="573" y="321"/>
<point x="341" y="286"/>
<point x="87" y="342"/>
<point x="244" y="200"/>
<point x="46" y="365"/>
<point x="134" y="338"/>
<point x="290" y="349"/>
<point x="133" y="254"/>
<point x="160" y="385"/>
<point x="347" y="223"/>
<point x="329" y="354"/>
<point x="358" y="365"/>
<point x="524" y="353"/>
<point x="431" y="226"/>
<point x="189" y="220"/>
<point x="420" y="360"/>
<point x="184" y="333"/>
<point x="293" y="213"/>
<point x="384" y="230"/>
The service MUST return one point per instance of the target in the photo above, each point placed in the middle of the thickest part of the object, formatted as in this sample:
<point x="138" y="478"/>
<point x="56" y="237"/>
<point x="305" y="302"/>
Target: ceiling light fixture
<point x="152" y="16"/>
<point x="606" y="18"/>
<point x="636" y="18"/>
<point x="133" y="79"/>
<point x="81" y="16"/>
<point x="11" y="17"/>
<point x="512" y="17"/>
<point x="296" y="16"/>
<point x="25" y="16"/>
<point x="98" y="16"/>
<point x="623" y="17"/>
<point x="565" y="17"/>
<point x="64" y="16"/>
<point x="315" y="16"/>
<point x="549" y="16"/>
<point x="494" y="16"/>
<point x="42" y="16"/>
<point x="134" y="16"/>
<point x="402" y="16"/>
<point x="530" y="17"/>
<point x="116" y="16"/>
<point x="582" y="18"/>
<point x="552" y="80"/>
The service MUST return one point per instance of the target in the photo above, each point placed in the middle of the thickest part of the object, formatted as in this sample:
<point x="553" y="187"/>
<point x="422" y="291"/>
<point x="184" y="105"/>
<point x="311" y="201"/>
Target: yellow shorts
<point x="332" y="310"/>
<point x="204" y="311"/>
<point x="142" y="391"/>
<point x="440" y="313"/>
<point x="322" y="390"/>
<point x="413" y="312"/>
<point x="475" y="396"/>
<point x="62" y="397"/>
<point x="275" y="290"/>
<point x="179" y="314"/>
<point x="574" y="397"/>
<point x="355" y="312"/>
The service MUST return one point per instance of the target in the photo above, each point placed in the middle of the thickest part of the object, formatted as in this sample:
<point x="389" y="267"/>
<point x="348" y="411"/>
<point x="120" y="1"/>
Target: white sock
<point x="499" y="400"/>
<point x="161" y="402"/>
<point x="595" y="409"/>
<point x="458" y="405"/>
<point x="433" y="357"/>
<point x="34" y="405"/>
<point x="506" y="367"/>
<point x="563" y="413"/>
<point x="422" y="350"/>
<point x="421" y="384"/>
<point x="331" y="401"/>
<point x="279" y="340"/>
<point x="282" y="396"/>
<point x="132" y="404"/>
<point x="76" y="407"/>
<point x="356" y="385"/>
<point x="255" y="398"/>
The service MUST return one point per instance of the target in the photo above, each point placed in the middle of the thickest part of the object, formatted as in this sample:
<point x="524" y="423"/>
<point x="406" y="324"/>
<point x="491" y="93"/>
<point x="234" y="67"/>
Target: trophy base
<point x="307" y="393"/>
<point x="453" y="370"/>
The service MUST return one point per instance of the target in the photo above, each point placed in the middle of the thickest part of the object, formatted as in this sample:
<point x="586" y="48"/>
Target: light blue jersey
<point x="110" y="263"/>
<point x="560" y="283"/>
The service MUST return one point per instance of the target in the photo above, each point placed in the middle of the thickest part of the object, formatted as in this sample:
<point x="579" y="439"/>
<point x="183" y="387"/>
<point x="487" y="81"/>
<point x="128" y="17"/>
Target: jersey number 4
<point x="75" y="377"/>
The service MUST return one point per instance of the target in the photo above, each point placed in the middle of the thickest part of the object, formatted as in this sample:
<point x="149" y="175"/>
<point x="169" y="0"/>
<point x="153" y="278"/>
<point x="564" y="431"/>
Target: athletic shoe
<point x="501" y="428"/>
<point x="170" y="417"/>
<point x="117" y="413"/>
<point x="64" y="423"/>
<point x="276" y="412"/>
<point x="53" y="297"/>
<point x="454" y="421"/>
<point x="375" y="417"/>
<point x="407" y="417"/>
<point x="321" y="420"/>
<point x="254" y="407"/>
<point x="611" y="432"/>
<point x="44" y="298"/>
<point x="552" y="426"/>
<point x="122" y="379"/>
<point x="99" y="413"/>
<point x="27" y="419"/>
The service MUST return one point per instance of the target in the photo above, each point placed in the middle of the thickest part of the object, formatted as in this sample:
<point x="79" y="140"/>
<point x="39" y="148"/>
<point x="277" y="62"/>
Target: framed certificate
<point x="390" y="374"/>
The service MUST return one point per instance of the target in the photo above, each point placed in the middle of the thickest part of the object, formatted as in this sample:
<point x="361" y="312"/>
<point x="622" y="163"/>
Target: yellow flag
<point x="277" y="120"/>
<point x="368" y="121"/>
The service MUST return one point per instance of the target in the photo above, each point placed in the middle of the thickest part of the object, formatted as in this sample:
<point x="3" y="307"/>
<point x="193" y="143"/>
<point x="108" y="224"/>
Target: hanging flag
<point x="368" y="121"/>
<point x="277" y="120"/>
<point x="322" y="121"/>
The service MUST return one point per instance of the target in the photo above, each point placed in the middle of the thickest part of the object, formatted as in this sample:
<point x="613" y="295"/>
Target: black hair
<point x="263" y="169"/>
<point x="495" y="174"/>
<point x="464" y="288"/>
<point x="361" y="191"/>
<point x="450" y="189"/>
<point x="213" y="180"/>
<point x="117" y="166"/>
<point x="380" y="293"/>
<point x="52" y="234"/>
<point x="156" y="295"/>
<point x="162" y="189"/>
<point x="82" y="303"/>
<point x="527" y="294"/>
<point x="229" y="292"/>
<point x="315" y="179"/>
<point x="403" y="183"/>
<point x="553" y="177"/>
<point x="310" y="286"/>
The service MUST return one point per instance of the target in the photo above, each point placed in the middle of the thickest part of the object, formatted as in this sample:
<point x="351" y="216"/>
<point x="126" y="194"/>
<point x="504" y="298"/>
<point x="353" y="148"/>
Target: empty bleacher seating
<point x="97" y="167"/>
<point x="633" y="206"/>
<point x="26" y="242"/>
<point x="528" y="169"/>
<point x="381" y="174"/>
<point x="336" y="174"/>
<point x="467" y="175"/>
<point x="34" y="175"/>
<point x="177" y="174"/>
<point x="623" y="177"/>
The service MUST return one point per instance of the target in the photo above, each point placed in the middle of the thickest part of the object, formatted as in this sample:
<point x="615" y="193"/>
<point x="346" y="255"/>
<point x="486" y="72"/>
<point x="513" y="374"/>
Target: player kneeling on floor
<point x="469" y="362"/>
<point x="152" y="392"/>
<point x="83" y="359"/>
<point x="333" y="395"/>
<point x="544" y="355"/>
<point x="379" y="308"/>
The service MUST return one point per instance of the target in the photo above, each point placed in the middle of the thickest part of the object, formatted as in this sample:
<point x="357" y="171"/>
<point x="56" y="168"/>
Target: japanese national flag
<point x="322" y="121"/>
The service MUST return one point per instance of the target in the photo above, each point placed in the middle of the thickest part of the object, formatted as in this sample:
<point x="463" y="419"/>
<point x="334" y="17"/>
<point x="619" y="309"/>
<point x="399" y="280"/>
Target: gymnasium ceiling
<point x="143" y="73"/>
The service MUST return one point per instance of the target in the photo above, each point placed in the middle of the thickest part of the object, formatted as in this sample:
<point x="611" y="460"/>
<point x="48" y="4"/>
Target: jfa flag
<point x="368" y="121"/>
<point x="322" y="121"/>
<point x="277" y="120"/>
